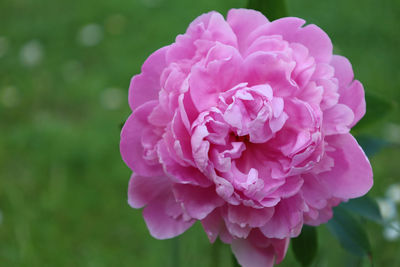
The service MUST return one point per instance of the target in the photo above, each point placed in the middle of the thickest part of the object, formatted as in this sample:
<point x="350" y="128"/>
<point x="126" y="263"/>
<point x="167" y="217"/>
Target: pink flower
<point x="243" y="124"/>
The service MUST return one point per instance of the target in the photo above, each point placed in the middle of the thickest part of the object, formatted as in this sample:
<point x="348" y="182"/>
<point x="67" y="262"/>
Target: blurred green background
<point x="65" y="68"/>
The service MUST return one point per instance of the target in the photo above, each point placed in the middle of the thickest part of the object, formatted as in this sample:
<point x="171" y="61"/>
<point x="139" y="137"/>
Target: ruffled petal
<point x="264" y="67"/>
<point x="220" y="72"/>
<point x="311" y="36"/>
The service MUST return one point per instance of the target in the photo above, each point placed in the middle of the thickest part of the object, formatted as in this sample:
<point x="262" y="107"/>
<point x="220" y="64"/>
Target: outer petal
<point x="311" y="36"/>
<point x="131" y="147"/>
<point x="343" y="70"/>
<point x="351" y="176"/>
<point x="202" y="32"/>
<point x="214" y="226"/>
<point x="287" y="220"/>
<point x="337" y="120"/>
<point x="354" y="98"/>
<point x="142" y="190"/>
<point x="216" y="26"/>
<point x="198" y="202"/>
<point x="243" y="215"/>
<point x="250" y="256"/>
<point x="243" y="22"/>
<point x="164" y="217"/>
<point x="145" y="86"/>
<point x="351" y="92"/>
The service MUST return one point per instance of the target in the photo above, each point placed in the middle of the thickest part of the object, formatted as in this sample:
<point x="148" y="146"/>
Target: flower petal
<point x="250" y="256"/>
<point x="142" y="190"/>
<point x="145" y="86"/>
<point x="287" y="220"/>
<point x="131" y="141"/>
<point x="243" y="22"/>
<point x="220" y="72"/>
<point x="164" y="217"/>
<point x="242" y="215"/>
<point x="351" y="176"/>
<point x="311" y="36"/>
<point x="198" y="202"/>
<point x="337" y="120"/>
<point x="351" y="92"/>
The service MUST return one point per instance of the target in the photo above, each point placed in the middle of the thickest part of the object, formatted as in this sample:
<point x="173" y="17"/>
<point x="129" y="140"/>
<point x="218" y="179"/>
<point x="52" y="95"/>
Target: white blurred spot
<point x="152" y="3"/>
<point x="9" y="96"/>
<point x="393" y="192"/>
<point x="387" y="208"/>
<point x="115" y="24"/>
<point x="72" y="70"/>
<point x="3" y="46"/>
<point x="112" y="98"/>
<point x="391" y="232"/>
<point x="392" y="133"/>
<point x="90" y="35"/>
<point x="31" y="53"/>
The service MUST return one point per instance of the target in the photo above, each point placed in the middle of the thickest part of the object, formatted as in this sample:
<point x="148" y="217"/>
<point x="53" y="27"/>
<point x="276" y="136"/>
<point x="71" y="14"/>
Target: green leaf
<point x="349" y="232"/>
<point x="272" y="9"/>
<point x="377" y="108"/>
<point x="364" y="206"/>
<point x="234" y="261"/>
<point x="371" y="145"/>
<point x="305" y="245"/>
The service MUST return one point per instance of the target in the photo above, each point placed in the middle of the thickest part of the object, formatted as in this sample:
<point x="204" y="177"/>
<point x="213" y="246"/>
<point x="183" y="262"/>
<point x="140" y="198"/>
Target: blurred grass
<point x="62" y="182"/>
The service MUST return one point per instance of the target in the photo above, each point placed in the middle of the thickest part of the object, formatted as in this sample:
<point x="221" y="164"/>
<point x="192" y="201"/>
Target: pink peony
<point x="243" y="124"/>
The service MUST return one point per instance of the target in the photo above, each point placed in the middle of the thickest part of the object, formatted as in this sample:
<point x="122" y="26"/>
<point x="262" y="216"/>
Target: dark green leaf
<point x="377" y="108"/>
<point x="305" y="245"/>
<point x="234" y="261"/>
<point x="349" y="232"/>
<point x="371" y="145"/>
<point x="364" y="206"/>
<point x="272" y="9"/>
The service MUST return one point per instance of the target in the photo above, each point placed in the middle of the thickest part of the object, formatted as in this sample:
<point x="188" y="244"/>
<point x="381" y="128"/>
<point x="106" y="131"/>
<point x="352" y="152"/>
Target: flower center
<point x="238" y="138"/>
